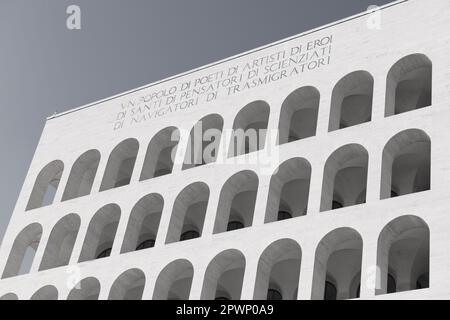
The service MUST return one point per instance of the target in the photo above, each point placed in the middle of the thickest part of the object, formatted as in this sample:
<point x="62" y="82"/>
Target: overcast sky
<point x="44" y="67"/>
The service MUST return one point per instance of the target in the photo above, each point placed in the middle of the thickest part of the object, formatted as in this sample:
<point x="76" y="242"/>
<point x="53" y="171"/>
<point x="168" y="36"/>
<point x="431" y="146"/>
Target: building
<point x="345" y="195"/>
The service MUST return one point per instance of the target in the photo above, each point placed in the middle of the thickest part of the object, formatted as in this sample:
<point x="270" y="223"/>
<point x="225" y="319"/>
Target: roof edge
<point x="218" y="62"/>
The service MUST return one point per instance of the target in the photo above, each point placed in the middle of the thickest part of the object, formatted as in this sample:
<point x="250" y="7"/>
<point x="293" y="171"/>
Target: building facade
<point x="344" y="195"/>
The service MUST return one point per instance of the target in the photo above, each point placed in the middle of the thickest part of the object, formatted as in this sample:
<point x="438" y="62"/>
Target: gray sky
<point x="44" y="67"/>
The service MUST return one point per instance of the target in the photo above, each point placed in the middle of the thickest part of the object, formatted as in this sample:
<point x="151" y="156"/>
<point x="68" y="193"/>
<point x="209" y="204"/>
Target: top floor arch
<point x="46" y="185"/>
<point x="160" y="154"/>
<point x="249" y="129"/>
<point x="409" y="84"/>
<point x="120" y="165"/>
<point x="82" y="175"/>
<point x="204" y="141"/>
<point x="298" y="118"/>
<point x="351" y="101"/>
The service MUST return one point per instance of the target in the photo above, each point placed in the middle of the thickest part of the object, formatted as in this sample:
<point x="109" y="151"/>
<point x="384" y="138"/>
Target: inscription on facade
<point x="233" y="80"/>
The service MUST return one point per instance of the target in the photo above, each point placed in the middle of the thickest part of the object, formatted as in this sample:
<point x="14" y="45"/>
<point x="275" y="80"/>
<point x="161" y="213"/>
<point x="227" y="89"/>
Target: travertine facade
<point x="362" y="108"/>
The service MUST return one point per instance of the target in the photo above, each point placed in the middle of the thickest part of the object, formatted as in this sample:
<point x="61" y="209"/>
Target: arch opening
<point x="249" y="129"/>
<point x="128" y="286"/>
<point x="204" y="142"/>
<point x="403" y="255"/>
<point x="174" y="281"/>
<point x="237" y="202"/>
<point x="100" y="234"/>
<point x="289" y="190"/>
<point x="9" y="296"/>
<point x="160" y="154"/>
<point x="188" y="213"/>
<point x="345" y="178"/>
<point x="82" y="175"/>
<point x="224" y="276"/>
<point x="337" y="265"/>
<point x="46" y="185"/>
<point x="143" y="223"/>
<point x="45" y="293"/>
<point x="23" y="251"/>
<point x="299" y="112"/>
<point x="120" y="165"/>
<point x="409" y="85"/>
<point x="406" y="166"/>
<point x="351" y="102"/>
<point x="86" y="289"/>
<point x="60" y="242"/>
<point x="278" y="271"/>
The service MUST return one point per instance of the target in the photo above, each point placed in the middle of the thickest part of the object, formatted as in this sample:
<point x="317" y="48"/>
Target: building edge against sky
<point x="357" y="179"/>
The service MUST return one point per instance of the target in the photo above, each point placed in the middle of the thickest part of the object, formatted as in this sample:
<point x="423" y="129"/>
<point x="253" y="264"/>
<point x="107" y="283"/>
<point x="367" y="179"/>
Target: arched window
<point x="101" y="233"/>
<point x="204" y="141"/>
<point x="298" y="118"/>
<point x="120" y="165"/>
<point x="249" y="129"/>
<point x="128" y="286"/>
<point x="45" y="293"/>
<point x="188" y="213"/>
<point x="174" y="281"/>
<point x="9" y="296"/>
<point x="278" y="271"/>
<point x="82" y="175"/>
<point x="160" y="154"/>
<point x="60" y="242"/>
<point x="403" y="255"/>
<point x="223" y="276"/>
<point x="143" y="223"/>
<point x="409" y="85"/>
<point x="23" y="250"/>
<point x="289" y="190"/>
<point x="345" y="178"/>
<point x="337" y="264"/>
<point x="46" y="185"/>
<point x="237" y="200"/>
<point x="351" y="102"/>
<point x="86" y="289"/>
<point x="406" y="164"/>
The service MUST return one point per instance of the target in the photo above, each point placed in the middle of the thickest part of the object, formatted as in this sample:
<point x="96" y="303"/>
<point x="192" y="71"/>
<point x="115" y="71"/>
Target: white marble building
<point x="345" y="196"/>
